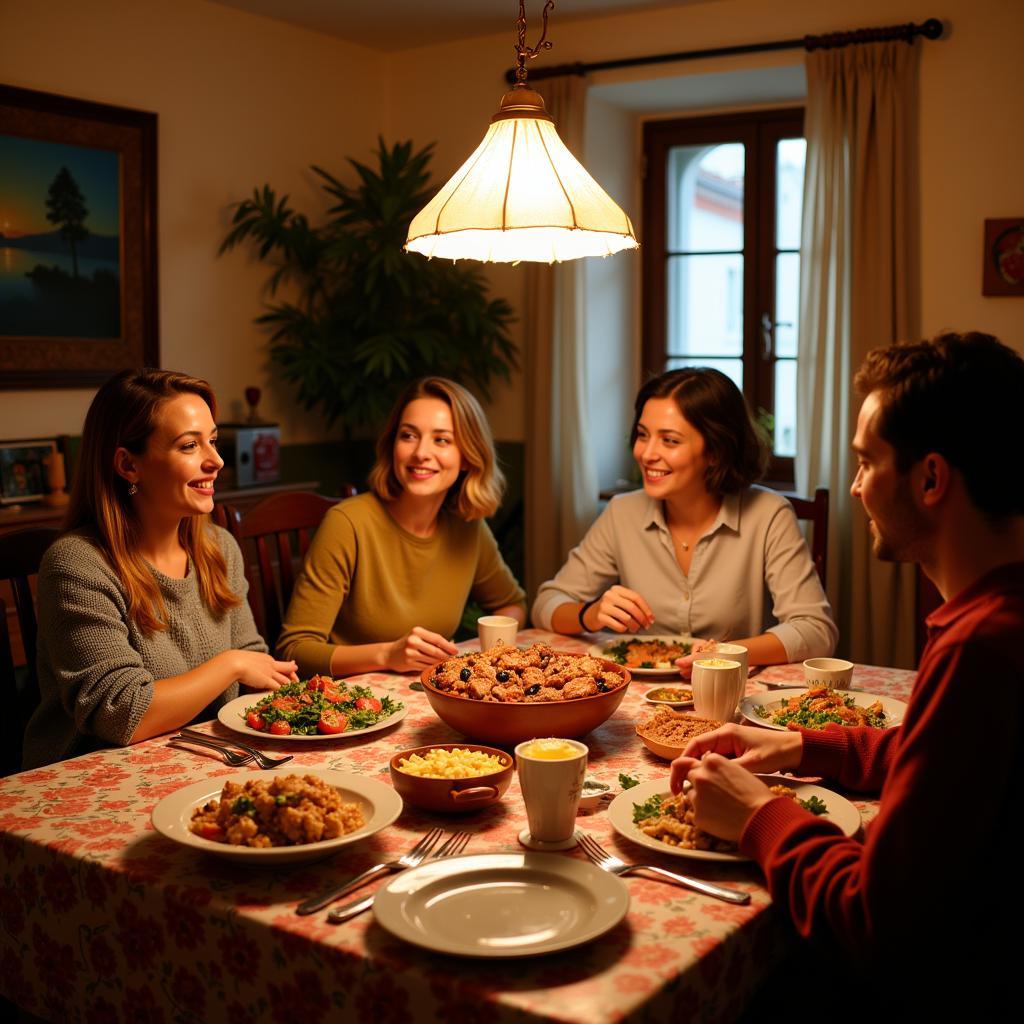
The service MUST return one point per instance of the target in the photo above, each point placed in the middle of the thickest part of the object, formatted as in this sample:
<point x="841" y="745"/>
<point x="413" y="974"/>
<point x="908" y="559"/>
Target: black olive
<point x="502" y="676"/>
<point x="531" y="690"/>
<point x="439" y="669"/>
<point x="465" y="674"/>
<point x="603" y="687"/>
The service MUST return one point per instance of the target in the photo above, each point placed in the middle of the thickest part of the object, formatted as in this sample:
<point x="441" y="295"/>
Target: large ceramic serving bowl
<point x="507" y="724"/>
<point x="451" y="796"/>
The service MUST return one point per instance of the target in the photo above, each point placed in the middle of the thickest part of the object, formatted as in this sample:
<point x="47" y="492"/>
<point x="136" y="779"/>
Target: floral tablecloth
<point x="102" y="920"/>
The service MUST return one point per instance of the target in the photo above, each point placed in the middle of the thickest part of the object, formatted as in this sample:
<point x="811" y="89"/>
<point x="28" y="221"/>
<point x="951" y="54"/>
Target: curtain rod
<point x="930" y="29"/>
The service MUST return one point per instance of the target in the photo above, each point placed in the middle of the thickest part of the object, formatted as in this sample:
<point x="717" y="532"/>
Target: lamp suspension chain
<point x="524" y="52"/>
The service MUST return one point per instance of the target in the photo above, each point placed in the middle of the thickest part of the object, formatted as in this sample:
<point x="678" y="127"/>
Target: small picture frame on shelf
<point x="1003" y="272"/>
<point x="23" y="470"/>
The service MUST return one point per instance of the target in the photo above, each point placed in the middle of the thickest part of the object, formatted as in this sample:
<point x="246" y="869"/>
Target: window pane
<point x="705" y="198"/>
<point x="785" y="407"/>
<point x="787" y="302"/>
<point x="732" y="368"/>
<point x="705" y="305"/>
<point x="789" y="192"/>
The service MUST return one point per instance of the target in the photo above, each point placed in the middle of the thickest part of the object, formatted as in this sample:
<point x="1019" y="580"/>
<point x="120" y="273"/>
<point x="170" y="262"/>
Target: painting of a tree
<point x="65" y="206"/>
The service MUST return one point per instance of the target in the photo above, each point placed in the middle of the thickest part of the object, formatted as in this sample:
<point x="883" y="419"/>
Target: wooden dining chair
<point x="816" y="510"/>
<point x="21" y="552"/>
<point x="274" y="536"/>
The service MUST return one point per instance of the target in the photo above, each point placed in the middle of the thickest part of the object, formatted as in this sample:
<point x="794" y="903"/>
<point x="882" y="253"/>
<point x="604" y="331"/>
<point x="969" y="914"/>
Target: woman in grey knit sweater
<point x="143" y="623"/>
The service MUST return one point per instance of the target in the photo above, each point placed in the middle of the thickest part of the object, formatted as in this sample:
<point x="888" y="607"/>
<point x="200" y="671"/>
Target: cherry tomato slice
<point x="331" y="722"/>
<point x="211" y="831"/>
<point x="256" y="721"/>
<point x="286" y="704"/>
<point x="280" y="728"/>
<point x="334" y="696"/>
<point x="321" y="683"/>
<point x="371" y="703"/>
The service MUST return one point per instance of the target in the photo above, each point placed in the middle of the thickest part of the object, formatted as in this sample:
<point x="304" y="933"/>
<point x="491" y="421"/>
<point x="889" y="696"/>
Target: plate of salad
<point x="320" y="708"/>
<point x="645" y="655"/>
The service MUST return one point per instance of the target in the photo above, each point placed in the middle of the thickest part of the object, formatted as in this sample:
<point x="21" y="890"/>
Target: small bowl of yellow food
<point x="452" y="778"/>
<point x="670" y="696"/>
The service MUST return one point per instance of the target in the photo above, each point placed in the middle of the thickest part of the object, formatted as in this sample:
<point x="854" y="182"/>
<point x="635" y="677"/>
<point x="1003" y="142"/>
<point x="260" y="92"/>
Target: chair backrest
<point x="21" y="551"/>
<point x="265" y="534"/>
<point x="816" y="510"/>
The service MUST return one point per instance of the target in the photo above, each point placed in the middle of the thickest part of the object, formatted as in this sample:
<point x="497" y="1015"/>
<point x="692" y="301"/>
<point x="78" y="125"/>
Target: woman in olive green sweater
<point x="389" y="572"/>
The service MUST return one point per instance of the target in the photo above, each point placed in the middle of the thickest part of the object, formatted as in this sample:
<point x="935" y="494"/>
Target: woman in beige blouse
<point x="699" y="551"/>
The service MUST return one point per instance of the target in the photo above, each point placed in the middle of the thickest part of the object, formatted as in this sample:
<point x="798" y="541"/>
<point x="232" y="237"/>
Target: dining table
<point x="103" y="919"/>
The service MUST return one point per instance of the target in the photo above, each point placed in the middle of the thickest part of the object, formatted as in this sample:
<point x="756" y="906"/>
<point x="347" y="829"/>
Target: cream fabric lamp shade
<point x="521" y="196"/>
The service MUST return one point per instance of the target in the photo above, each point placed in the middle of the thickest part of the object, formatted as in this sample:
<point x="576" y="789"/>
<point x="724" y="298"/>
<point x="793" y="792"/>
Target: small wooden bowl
<point x="452" y="796"/>
<point x="666" y="750"/>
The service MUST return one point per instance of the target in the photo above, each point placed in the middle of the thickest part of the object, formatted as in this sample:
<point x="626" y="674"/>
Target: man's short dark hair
<point x="961" y="396"/>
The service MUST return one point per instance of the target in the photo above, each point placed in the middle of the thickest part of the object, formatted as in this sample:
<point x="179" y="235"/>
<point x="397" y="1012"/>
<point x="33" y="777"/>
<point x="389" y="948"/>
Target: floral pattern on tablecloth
<point x="104" y="920"/>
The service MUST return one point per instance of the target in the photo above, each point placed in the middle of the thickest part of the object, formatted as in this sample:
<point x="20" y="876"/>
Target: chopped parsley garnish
<point x="814" y="804"/>
<point x="650" y="808"/>
<point x="243" y="805"/>
<point x="627" y="781"/>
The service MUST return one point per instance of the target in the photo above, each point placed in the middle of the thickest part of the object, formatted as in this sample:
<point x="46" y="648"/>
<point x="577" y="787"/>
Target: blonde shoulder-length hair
<point x="478" y="491"/>
<point x="123" y="415"/>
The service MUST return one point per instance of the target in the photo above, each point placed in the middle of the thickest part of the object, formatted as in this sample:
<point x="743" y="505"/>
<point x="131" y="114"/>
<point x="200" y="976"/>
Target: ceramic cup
<point x="717" y="685"/>
<point x="492" y="628"/>
<point x="731" y="652"/>
<point x="551" y="773"/>
<point x="832" y="672"/>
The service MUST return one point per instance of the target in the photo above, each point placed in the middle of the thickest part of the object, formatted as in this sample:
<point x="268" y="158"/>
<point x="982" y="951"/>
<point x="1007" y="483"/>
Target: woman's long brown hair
<point x="123" y="415"/>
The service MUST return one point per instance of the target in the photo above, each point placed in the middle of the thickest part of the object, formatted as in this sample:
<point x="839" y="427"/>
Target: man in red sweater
<point x="926" y="906"/>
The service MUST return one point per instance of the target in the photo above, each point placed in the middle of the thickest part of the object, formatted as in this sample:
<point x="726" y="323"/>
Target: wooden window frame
<point x="759" y="131"/>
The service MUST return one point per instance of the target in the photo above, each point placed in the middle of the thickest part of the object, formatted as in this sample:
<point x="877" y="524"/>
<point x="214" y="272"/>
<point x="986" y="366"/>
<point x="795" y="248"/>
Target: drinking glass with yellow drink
<point x="551" y="772"/>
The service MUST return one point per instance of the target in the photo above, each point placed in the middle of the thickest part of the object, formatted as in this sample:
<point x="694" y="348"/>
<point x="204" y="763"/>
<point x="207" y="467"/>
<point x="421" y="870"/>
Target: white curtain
<point x="858" y="291"/>
<point x="561" y="477"/>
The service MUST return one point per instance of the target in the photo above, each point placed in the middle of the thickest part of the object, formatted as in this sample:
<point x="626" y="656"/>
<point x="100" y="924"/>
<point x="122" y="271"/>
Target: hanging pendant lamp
<point x="522" y="195"/>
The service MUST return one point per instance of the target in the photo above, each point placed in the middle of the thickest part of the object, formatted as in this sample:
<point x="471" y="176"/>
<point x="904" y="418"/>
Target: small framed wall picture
<point x="1003" y="272"/>
<point x="23" y="470"/>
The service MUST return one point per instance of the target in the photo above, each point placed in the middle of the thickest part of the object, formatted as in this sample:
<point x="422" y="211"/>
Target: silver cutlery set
<point x="237" y="754"/>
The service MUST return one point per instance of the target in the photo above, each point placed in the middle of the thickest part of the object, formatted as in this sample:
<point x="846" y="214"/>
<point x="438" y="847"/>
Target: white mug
<point x="717" y="686"/>
<point x="492" y="628"/>
<point x="551" y="789"/>
<point x="833" y="672"/>
<point x="731" y="652"/>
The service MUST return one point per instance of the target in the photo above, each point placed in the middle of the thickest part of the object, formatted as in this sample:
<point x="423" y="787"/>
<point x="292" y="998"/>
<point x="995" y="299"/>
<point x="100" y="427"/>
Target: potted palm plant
<point x="363" y="317"/>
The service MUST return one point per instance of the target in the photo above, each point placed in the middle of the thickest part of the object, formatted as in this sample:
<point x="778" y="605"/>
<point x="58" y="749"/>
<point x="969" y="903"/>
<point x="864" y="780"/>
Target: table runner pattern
<point x="103" y="920"/>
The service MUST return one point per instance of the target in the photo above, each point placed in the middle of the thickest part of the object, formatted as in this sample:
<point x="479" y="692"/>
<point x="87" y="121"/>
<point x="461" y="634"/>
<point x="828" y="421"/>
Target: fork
<point x="608" y="862"/>
<point x="263" y="760"/>
<point x="454" y="845"/>
<point x="230" y="757"/>
<point x="408" y="860"/>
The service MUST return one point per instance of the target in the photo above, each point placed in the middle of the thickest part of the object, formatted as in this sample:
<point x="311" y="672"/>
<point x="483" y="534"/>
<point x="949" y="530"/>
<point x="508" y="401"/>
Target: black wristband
<point x="583" y="611"/>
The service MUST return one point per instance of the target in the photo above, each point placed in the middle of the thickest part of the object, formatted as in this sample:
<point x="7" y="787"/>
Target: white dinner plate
<point x="776" y="699"/>
<point x="501" y="904"/>
<point x="620" y="813"/>
<point x="232" y="715"/>
<point x="601" y="651"/>
<point x="381" y="806"/>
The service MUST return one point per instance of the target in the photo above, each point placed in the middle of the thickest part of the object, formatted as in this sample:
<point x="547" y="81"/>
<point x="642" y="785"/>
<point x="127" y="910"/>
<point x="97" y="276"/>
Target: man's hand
<point x="724" y="796"/>
<point x="757" y="750"/>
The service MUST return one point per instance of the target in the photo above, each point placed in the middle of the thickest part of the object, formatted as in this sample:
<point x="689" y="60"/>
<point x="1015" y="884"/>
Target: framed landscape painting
<point x="78" y="292"/>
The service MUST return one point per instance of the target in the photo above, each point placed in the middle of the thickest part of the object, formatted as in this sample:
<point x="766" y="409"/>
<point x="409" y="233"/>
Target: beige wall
<point x="972" y="148"/>
<point x="242" y="100"/>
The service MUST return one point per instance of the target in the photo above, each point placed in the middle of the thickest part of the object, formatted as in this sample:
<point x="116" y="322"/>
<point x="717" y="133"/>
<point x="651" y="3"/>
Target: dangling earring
<point x="133" y="489"/>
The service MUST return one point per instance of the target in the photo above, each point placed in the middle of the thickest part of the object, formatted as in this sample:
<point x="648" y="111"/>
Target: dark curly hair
<point x="734" y="448"/>
<point x="959" y="395"/>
